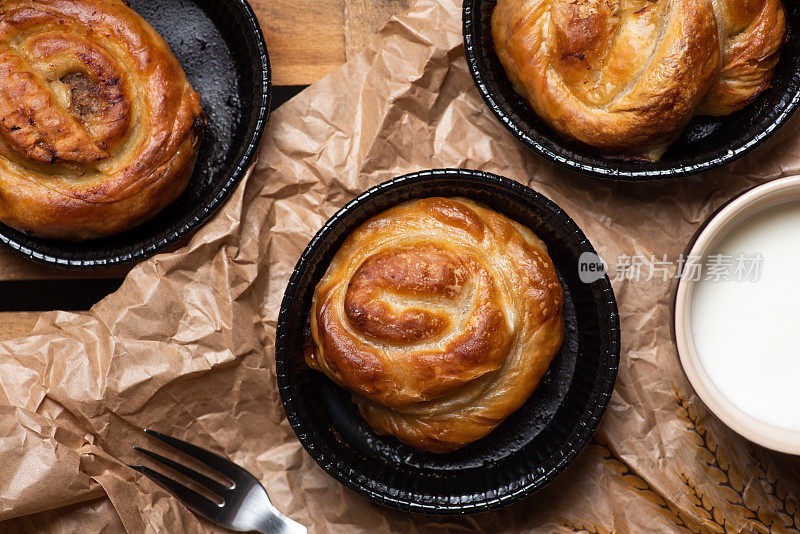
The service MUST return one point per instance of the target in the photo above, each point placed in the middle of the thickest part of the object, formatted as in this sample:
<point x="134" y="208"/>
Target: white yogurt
<point x="747" y="333"/>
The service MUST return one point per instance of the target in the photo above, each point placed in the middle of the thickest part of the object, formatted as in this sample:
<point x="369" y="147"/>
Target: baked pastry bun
<point x="626" y="76"/>
<point x="99" y="128"/>
<point x="441" y="317"/>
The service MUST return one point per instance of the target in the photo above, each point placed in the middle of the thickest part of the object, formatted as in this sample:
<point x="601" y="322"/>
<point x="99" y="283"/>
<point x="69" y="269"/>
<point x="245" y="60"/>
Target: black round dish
<point x="525" y="452"/>
<point x="220" y="46"/>
<point x="706" y="143"/>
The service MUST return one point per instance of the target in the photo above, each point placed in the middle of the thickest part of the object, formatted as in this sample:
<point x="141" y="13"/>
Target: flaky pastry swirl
<point x="441" y="317"/>
<point x="626" y="76"/>
<point x="99" y="127"/>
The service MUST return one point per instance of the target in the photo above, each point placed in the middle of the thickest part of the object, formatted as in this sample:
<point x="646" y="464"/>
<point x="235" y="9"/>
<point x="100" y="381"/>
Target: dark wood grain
<point x="363" y="18"/>
<point x="305" y="38"/>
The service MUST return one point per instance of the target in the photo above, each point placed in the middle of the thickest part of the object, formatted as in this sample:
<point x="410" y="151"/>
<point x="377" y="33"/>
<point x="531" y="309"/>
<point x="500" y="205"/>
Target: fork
<point x="245" y="504"/>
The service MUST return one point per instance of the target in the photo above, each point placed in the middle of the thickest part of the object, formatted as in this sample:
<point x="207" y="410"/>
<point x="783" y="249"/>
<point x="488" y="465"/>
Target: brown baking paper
<point x="186" y="345"/>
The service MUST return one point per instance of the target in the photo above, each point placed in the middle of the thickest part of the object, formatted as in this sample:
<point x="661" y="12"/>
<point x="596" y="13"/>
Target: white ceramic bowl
<point x="739" y="209"/>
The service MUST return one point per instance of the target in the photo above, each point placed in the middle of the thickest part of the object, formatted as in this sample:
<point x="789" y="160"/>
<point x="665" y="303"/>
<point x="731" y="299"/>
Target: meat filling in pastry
<point x="441" y="317"/>
<point x="626" y="76"/>
<point x="99" y="127"/>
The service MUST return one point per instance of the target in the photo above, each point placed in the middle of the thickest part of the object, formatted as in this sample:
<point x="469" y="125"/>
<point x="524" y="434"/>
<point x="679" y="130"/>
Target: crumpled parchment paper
<point x="186" y="345"/>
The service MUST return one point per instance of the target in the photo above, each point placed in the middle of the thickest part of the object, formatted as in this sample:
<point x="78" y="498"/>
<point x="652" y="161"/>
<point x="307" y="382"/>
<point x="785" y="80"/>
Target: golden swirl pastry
<point x="626" y="76"/>
<point x="441" y="317"/>
<point x="99" y="127"/>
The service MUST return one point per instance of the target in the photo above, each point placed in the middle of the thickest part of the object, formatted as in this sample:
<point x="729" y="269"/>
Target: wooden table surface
<point x="306" y="39"/>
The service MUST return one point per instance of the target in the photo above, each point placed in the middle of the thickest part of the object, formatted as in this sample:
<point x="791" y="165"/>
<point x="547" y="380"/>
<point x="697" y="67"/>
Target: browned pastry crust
<point x="626" y="76"/>
<point x="440" y="316"/>
<point x="99" y="127"/>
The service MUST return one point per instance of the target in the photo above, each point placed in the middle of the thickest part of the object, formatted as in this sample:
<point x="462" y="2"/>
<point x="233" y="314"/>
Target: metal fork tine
<point x="246" y="506"/>
<point x="214" y="461"/>
<point x="209" y="483"/>
<point x="190" y="497"/>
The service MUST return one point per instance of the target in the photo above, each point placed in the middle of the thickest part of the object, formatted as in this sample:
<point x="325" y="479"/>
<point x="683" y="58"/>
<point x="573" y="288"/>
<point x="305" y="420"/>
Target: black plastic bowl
<point x="526" y="451"/>
<point x="220" y="46"/>
<point x="706" y="143"/>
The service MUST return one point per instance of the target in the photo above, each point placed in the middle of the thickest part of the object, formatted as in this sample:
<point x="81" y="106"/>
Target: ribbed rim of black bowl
<point x="475" y="53"/>
<point x="371" y="485"/>
<point x="235" y="174"/>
